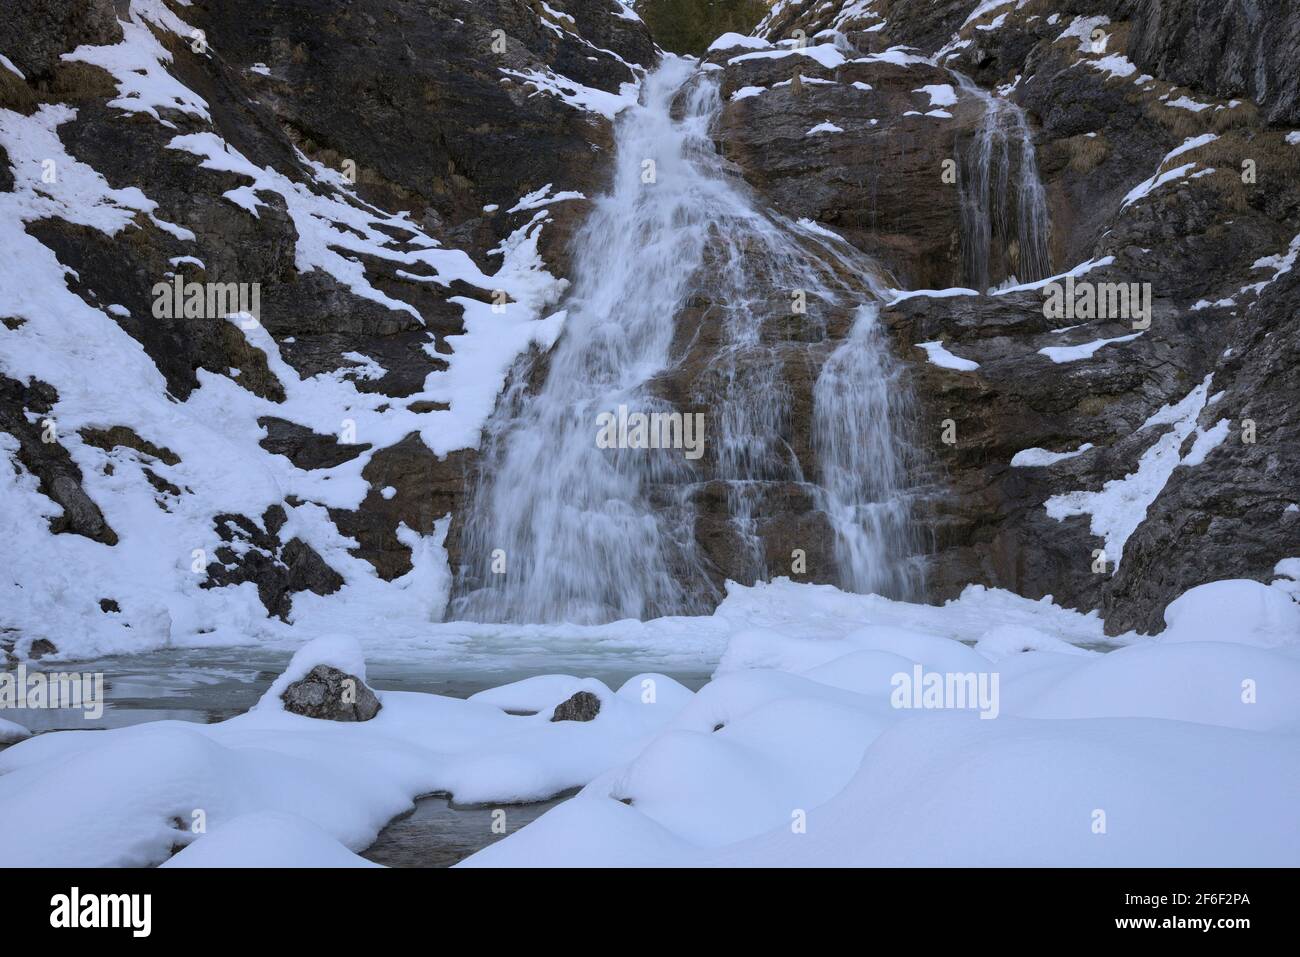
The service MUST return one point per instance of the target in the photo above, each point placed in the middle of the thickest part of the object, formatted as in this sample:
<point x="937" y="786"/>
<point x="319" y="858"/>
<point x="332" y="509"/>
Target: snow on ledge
<point x="940" y="356"/>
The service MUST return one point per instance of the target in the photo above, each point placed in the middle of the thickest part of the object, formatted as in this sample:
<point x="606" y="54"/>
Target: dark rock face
<point x="256" y="554"/>
<point x="413" y="93"/>
<point x="1202" y="244"/>
<point x="41" y="454"/>
<point x="1240" y="48"/>
<point x="34" y="33"/>
<point x="582" y="706"/>
<point x="331" y="695"/>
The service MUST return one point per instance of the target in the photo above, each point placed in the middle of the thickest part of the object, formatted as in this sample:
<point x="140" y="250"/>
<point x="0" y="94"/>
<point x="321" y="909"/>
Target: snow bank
<point x="152" y="782"/>
<point x="267" y="839"/>
<point x="11" y="732"/>
<point x="1234" y="611"/>
<point x="799" y="751"/>
<point x="795" y="755"/>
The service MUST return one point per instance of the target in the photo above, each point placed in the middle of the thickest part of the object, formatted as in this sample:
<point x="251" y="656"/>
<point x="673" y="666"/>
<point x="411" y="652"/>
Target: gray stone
<point x="331" y="695"/>
<point x="582" y="706"/>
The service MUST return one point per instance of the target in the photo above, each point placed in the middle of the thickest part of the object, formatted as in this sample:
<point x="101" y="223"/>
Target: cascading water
<point x="864" y="460"/>
<point x="581" y="533"/>
<point x="1004" y="230"/>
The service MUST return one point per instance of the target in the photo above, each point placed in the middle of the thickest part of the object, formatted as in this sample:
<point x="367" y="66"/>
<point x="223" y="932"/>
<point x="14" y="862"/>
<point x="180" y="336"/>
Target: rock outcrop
<point x="331" y="695"/>
<point x="395" y="182"/>
<point x="582" y="706"/>
<point x="1169" y="447"/>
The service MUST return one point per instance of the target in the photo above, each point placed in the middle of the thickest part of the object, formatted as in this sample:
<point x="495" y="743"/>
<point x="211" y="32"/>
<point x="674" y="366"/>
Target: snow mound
<point x="1235" y="611"/>
<point x="336" y="651"/>
<point x="267" y="839"/>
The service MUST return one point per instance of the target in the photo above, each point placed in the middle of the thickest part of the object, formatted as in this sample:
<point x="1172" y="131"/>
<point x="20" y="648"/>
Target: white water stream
<point x="560" y="529"/>
<point x="1003" y="204"/>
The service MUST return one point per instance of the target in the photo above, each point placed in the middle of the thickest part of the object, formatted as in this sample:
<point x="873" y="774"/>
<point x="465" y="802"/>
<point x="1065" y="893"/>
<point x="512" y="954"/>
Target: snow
<point x="267" y="839"/>
<point x="1082" y="269"/>
<point x="1281" y="263"/>
<point x="1114" y="65"/>
<point x="1185" y="103"/>
<point x="625" y="12"/>
<point x="1191" y="143"/>
<point x="1148" y="186"/>
<point x="1293" y="138"/>
<point x="1081" y="28"/>
<point x="941" y="94"/>
<point x="825" y="54"/>
<point x="11" y="732"/>
<point x="542" y="197"/>
<point x="1121" y="504"/>
<point x="1042" y="457"/>
<point x="985" y="7"/>
<point x="1238" y="611"/>
<point x="1094" y="759"/>
<point x="900" y="295"/>
<point x="898" y="56"/>
<point x="336" y="651"/>
<point x="826" y="127"/>
<point x="745" y="92"/>
<point x="1084" y="350"/>
<point x="938" y="355"/>
<point x="799" y="724"/>
<point x="729" y="41"/>
<point x="138" y="65"/>
<point x="574" y="94"/>
<point x="813" y="226"/>
<point x="8" y="64"/>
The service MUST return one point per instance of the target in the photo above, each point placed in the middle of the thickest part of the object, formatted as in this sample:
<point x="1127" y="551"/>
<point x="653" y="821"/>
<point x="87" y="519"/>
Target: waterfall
<point x="1004" y="231"/>
<point x="560" y="529"/>
<point x="859" y="431"/>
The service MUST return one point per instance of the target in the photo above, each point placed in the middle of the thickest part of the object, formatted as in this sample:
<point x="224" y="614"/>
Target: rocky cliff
<point x="1161" y="135"/>
<point x="394" y="184"/>
<point x="393" y="180"/>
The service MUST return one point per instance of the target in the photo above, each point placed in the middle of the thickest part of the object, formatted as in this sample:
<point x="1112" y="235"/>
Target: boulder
<point x="331" y="695"/>
<point x="582" y="706"/>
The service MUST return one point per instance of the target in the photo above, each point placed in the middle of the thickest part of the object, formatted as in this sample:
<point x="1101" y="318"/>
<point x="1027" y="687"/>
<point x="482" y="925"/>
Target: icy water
<point x="439" y="834"/>
<point x="206" y="685"/>
<point x="210" y="685"/>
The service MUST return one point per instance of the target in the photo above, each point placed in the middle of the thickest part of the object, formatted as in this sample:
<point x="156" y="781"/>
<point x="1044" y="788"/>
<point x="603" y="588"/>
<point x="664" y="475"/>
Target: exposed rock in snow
<point x="332" y="695"/>
<point x="583" y="706"/>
